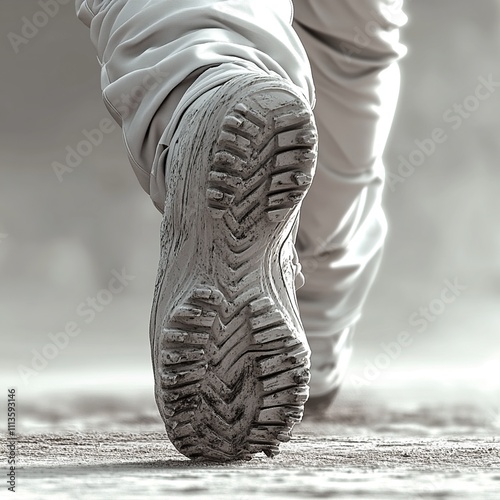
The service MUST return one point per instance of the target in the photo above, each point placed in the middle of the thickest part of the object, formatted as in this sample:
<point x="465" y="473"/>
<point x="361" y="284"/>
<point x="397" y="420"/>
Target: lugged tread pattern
<point x="233" y="369"/>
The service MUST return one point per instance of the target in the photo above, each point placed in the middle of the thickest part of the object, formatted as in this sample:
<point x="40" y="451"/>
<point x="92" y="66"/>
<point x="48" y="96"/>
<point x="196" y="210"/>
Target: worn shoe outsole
<point x="230" y="357"/>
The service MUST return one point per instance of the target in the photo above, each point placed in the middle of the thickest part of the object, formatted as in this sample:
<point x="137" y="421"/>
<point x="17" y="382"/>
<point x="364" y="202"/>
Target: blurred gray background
<point x="60" y="241"/>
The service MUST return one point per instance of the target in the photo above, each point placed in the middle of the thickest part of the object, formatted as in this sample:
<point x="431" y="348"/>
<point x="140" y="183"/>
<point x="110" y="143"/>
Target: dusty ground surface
<point x="362" y="450"/>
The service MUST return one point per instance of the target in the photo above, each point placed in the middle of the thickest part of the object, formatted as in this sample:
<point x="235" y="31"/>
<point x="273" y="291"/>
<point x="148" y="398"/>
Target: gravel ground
<point x="361" y="450"/>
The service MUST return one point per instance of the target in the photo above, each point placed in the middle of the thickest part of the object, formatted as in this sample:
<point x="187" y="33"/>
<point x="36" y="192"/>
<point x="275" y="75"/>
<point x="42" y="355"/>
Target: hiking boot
<point x="230" y="357"/>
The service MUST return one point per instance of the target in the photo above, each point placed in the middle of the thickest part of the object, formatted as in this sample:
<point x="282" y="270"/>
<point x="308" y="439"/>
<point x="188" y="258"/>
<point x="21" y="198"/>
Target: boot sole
<point x="230" y="357"/>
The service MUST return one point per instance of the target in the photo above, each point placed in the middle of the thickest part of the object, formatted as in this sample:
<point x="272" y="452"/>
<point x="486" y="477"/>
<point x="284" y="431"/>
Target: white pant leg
<point x="152" y="51"/>
<point x="353" y="47"/>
